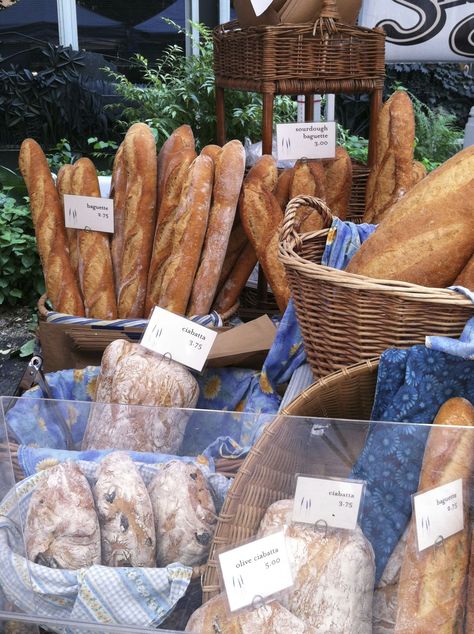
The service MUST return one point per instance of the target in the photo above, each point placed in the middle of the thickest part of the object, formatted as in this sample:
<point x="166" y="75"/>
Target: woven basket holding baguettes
<point x="347" y="316"/>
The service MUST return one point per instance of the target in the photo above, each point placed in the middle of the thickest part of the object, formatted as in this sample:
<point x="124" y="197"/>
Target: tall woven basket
<point x="288" y="447"/>
<point x="347" y="318"/>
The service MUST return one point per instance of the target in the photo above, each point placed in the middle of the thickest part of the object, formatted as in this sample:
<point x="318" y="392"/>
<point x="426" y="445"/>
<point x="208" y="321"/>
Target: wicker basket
<point x="268" y="473"/>
<point x="300" y="58"/>
<point x="347" y="318"/>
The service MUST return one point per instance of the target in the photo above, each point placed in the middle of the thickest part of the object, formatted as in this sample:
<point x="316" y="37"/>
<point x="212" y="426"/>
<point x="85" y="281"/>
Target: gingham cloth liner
<point x="130" y="596"/>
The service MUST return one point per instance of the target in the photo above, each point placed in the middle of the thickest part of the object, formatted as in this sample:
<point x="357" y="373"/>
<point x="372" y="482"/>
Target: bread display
<point x="228" y="176"/>
<point x="93" y="248"/>
<point x="333" y="573"/>
<point x="426" y="237"/>
<point x="432" y="586"/>
<point x="61" y="528"/>
<point x="139" y="223"/>
<point x="184" y="512"/>
<point x="125" y="513"/>
<point x="236" y="280"/>
<point x="50" y="232"/>
<point x="283" y="187"/>
<point x="392" y="175"/>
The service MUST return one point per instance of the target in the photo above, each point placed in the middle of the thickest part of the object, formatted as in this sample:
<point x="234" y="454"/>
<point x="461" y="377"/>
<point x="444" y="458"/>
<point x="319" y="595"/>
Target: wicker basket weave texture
<point x="285" y="449"/>
<point x="347" y="318"/>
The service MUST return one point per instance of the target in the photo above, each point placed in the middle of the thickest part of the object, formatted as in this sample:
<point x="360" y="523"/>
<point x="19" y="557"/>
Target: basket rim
<point x="233" y="26"/>
<point x="291" y="259"/>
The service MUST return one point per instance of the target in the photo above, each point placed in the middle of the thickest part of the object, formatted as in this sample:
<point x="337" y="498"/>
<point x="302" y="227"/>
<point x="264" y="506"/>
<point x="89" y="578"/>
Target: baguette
<point x="431" y="595"/>
<point x="392" y="175"/>
<point x="265" y="170"/>
<point x="50" y="232"/>
<point x="179" y="247"/>
<point x="228" y="176"/>
<point x="63" y="185"/>
<point x="419" y="172"/>
<point x="283" y="186"/>
<point x="181" y="139"/>
<point x="426" y="237"/>
<point x="212" y="150"/>
<point x="95" y="262"/>
<point x="140" y="216"/>
<point x="308" y="179"/>
<point x="338" y="173"/>
<point x="237" y="243"/>
<point x="275" y="272"/>
<point x="466" y="277"/>
<point x="235" y="282"/>
<point x="118" y="191"/>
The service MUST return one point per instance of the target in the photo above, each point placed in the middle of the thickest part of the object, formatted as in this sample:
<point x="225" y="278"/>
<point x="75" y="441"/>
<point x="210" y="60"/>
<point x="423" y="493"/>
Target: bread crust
<point x="338" y="174"/>
<point x="308" y="179"/>
<point x="236" y="280"/>
<point x="181" y="139"/>
<point x="118" y="192"/>
<point x="95" y="262"/>
<point x="63" y="185"/>
<point x="140" y="219"/>
<point x="283" y="186"/>
<point x="50" y="231"/>
<point x="466" y="277"/>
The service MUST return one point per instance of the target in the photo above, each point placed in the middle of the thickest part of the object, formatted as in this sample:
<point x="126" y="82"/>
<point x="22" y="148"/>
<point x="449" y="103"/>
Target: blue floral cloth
<point x="412" y="385"/>
<point x="343" y="242"/>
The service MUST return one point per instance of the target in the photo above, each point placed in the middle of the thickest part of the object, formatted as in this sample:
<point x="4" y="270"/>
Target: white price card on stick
<point x="179" y="338"/>
<point x="316" y="140"/>
<point x="439" y="513"/>
<point x="259" y="6"/>
<point x="257" y="570"/>
<point x="89" y="212"/>
<point x="327" y="502"/>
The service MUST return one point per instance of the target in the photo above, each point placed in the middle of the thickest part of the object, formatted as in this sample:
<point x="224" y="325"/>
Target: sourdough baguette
<point x="50" y="232"/>
<point x="237" y="243"/>
<point x="140" y="217"/>
<point x="212" y="150"/>
<point x="179" y="247"/>
<point x="118" y="192"/>
<point x="235" y="282"/>
<point x="95" y="262"/>
<point x="283" y="186"/>
<point x="264" y="170"/>
<point x="308" y="179"/>
<point x="228" y="176"/>
<point x="419" y="172"/>
<point x="466" y="277"/>
<point x="392" y="175"/>
<point x="431" y="595"/>
<point x="181" y="139"/>
<point x="338" y="175"/>
<point x="63" y="185"/>
<point x="275" y="272"/>
<point x="426" y="237"/>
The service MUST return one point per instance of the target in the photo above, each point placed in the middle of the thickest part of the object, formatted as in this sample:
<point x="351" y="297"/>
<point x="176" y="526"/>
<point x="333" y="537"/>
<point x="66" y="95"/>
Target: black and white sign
<point x="439" y="513"/>
<point x="423" y="30"/>
<point x="255" y="571"/>
<point x="314" y="140"/>
<point x="88" y="212"/>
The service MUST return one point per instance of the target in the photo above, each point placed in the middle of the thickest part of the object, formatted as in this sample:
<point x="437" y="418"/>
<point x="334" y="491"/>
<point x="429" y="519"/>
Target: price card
<point x="256" y="570"/>
<point x="332" y="502"/>
<point x="309" y="140"/>
<point x="439" y="513"/>
<point x="259" y="6"/>
<point x="88" y="212"/>
<point x="183" y="340"/>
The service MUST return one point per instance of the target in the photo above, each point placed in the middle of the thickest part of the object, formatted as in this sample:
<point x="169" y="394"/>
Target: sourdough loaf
<point x="50" y="232"/>
<point x="93" y="247"/>
<point x="140" y="217"/>
<point x="229" y="294"/>
<point x="392" y="174"/>
<point x="184" y="512"/>
<point x="432" y="586"/>
<point x="308" y="179"/>
<point x="283" y="186"/>
<point x="125" y="513"/>
<point x="132" y="375"/>
<point x="425" y="238"/>
<point x="338" y="179"/>
<point x="118" y="192"/>
<point x="212" y="150"/>
<point x="61" y="527"/>
<point x="333" y="573"/>
<point x="228" y="176"/>
<point x="237" y="242"/>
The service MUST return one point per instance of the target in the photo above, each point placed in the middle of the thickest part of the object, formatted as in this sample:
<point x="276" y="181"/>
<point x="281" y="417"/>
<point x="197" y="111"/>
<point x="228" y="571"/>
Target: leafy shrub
<point x="180" y="90"/>
<point x="21" y="278"/>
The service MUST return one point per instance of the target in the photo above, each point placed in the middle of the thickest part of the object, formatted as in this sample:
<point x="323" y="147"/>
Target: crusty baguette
<point x="228" y="295"/>
<point x="338" y="173"/>
<point x="140" y="217"/>
<point x="212" y="150"/>
<point x="63" y="185"/>
<point x="419" y="172"/>
<point x="283" y="186"/>
<point x="466" y="277"/>
<point x="308" y="179"/>
<point x="237" y="243"/>
<point x="427" y="236"/>
<point x="181" y="139"/>
<point x="392" y="175"/>
<point x="95" y="262"/>
<point x="275" y="272"/>
<point x="469" y="612"/>
<point x="179" y="247"/>
<point x="118" y="192"/>
<point x="50" y="232"/>
<point x="228" y="175"/>
<point x="432" y="586"/>
<point x="265" y="170"/>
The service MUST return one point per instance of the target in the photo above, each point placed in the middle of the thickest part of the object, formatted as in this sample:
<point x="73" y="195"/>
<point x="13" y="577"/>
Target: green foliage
<point x="356" y="146"/>
<point x="21" y="278"/>
<point x="61" y="154"/>
<point x="180" y="90"/>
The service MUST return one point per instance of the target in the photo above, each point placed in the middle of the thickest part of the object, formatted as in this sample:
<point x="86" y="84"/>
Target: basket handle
<point x="288" y="227"/>
<point x="328" y="18"/>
